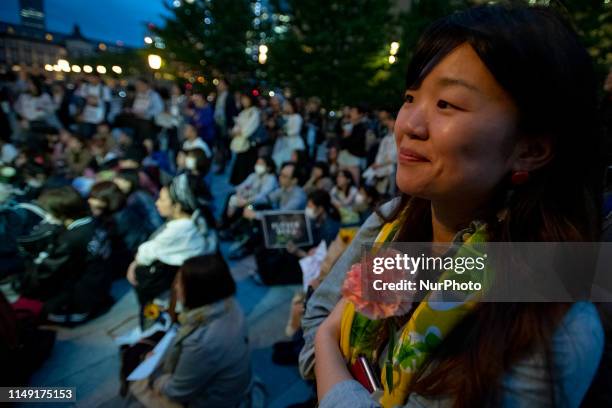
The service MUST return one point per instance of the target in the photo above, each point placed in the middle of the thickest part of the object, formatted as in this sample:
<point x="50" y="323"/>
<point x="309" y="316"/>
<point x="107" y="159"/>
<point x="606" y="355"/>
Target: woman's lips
<point x="410" y="156"/>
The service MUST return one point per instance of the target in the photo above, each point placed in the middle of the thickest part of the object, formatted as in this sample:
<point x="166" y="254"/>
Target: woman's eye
<point x="408" y="98"/>
<point x="443" y="104"/>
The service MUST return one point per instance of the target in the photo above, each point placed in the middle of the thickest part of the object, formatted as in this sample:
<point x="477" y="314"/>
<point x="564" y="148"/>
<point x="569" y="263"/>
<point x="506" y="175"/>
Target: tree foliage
<point x="208" y="36"/>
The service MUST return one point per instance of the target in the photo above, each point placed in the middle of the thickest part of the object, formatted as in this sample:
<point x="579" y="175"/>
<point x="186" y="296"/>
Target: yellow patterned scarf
<point x="430" y="323"/>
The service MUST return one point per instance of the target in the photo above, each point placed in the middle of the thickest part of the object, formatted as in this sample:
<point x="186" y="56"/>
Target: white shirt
<point x="34" y="107"/>
<point x="175" y="242"/>
<point x="94" y="113"/>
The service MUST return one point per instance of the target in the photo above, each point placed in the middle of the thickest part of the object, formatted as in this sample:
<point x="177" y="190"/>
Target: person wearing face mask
<point x="252" y="191"/>
<point x="289" y="196"/>
<point x="193" y="141"/>
<point x="281" y="266"/>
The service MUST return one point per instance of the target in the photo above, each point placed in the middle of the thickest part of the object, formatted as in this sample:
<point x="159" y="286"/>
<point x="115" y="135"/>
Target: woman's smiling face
<point x="455" y="133"/>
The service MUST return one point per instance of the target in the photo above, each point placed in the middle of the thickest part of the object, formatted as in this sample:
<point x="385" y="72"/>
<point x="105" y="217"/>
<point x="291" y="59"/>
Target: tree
<point x="208" y="37"/>
<point x="331" y="48"/>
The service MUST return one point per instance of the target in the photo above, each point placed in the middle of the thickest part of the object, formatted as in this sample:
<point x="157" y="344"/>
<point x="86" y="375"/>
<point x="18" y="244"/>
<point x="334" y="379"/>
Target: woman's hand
<point x="330" y="367"/>
<point x="131" y="274"/>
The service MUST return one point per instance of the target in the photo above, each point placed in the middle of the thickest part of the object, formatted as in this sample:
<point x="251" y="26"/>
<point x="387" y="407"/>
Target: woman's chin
<point x="411" y="187"/>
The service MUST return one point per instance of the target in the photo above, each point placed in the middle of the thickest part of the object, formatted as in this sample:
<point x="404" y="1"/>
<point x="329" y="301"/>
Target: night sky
<point x="107" y="20"/>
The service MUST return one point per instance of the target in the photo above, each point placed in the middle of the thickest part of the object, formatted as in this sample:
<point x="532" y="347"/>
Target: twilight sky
<point x="108" y="20"/>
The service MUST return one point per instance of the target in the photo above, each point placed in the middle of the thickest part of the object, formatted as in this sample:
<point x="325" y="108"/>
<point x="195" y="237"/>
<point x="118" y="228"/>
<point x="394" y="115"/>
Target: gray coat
<point x="214" y="366"/>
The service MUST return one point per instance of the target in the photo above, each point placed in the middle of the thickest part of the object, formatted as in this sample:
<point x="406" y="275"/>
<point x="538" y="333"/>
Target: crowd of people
<point x="103" y="180"/>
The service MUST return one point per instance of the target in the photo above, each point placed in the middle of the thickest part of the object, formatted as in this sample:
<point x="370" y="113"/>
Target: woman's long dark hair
<point x="539" y="61"/>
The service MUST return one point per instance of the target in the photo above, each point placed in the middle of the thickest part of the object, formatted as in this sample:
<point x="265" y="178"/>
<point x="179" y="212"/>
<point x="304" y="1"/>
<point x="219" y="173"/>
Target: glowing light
<point x="16" y="68"/>
<point x="57" y="68"/>
<point x="392" y="59"/>
<point x="201" y="79"/>
<point x="263" y="58"/>
<point x="48" y="37"/>
<point x="87" y="69"/>
<point x="148" y="40"/>
<point x="155" y="61"/>
<point x="263" y="49"/>
<point x="271" y="94"/>
<point x="176" y="3"/>
<point x="76" y="68"/>
<point x="101" y="69"/>
<point x="116" y="69"/>
<point x="48" y="67"/>
<point x="215" y="81"/>
<point x="102" y="47"/>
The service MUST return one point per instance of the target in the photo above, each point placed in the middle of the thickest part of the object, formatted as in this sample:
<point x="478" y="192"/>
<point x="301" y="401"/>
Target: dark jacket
<point x="70" y="275"/>
<point x="137" y="220"/>
<point x="355" y="144"/>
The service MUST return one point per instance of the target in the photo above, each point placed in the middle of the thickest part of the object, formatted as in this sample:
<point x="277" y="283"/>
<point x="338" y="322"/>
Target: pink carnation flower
<point x="378" y="305"/>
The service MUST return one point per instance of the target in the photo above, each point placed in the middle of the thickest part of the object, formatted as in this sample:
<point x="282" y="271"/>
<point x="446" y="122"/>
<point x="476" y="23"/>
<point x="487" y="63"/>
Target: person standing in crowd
<point x="147" y="102"/>
<point x="380" y="173"/>
<point x="202" y="118"/>
<point x="290" y="138"/>
<point x="208" y="363"/>
<point x="34" y="107"/>
<point x="353" y="142"/>
<point x="245" y="124"/>
<point x="96" y="99"/>
<point x="479" y="145"/>
<point x="315" y="126"/>
<point x="61" y="99"/>
<point x="139" y="115"/>
<point x="225" y="111"/>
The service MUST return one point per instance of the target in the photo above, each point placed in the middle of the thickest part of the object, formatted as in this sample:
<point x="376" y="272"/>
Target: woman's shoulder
<point x="580" y="332"/>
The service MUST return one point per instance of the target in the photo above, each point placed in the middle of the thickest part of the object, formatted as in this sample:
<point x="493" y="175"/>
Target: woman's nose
<point x="412" y="122"/>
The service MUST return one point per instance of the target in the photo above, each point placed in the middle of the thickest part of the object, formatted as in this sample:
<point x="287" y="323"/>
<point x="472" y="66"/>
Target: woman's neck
<point x="449" y="218"/>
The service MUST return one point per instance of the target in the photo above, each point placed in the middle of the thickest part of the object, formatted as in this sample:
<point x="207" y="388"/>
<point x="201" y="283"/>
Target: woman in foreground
<point x="496" y="141"/>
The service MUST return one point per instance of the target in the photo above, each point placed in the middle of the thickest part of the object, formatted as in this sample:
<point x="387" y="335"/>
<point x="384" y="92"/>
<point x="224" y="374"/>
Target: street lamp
<point x="63" y="65"/>
<point x="263" y="53"/>
<point x="155" y="61"/>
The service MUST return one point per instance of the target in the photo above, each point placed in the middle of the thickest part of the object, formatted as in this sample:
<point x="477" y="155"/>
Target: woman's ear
<point x="532" y="153"/>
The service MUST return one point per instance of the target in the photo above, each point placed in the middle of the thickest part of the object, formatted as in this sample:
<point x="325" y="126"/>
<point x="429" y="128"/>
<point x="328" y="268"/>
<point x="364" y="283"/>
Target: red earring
<point x="520" y="177"/>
